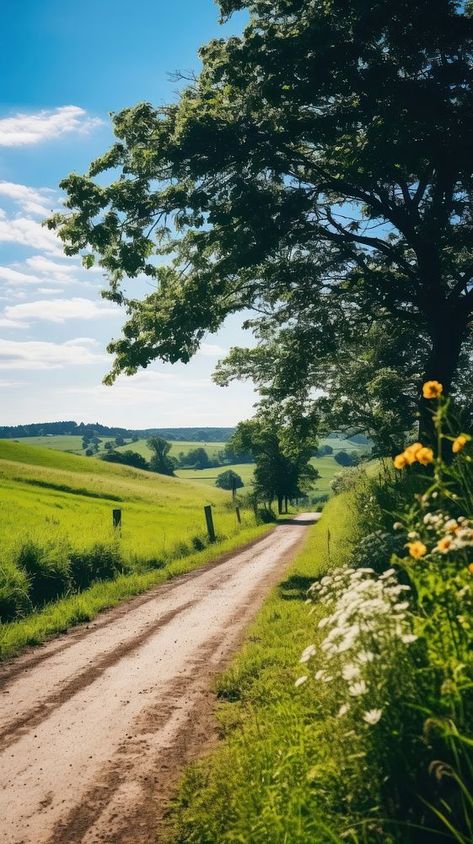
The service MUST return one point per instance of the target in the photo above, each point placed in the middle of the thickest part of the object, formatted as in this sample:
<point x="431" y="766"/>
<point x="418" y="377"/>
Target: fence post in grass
<point x="233" y="489"/>
<point x="117" y="519"/>
<point x="210" y="522"/>
<point x="238" y="515"/>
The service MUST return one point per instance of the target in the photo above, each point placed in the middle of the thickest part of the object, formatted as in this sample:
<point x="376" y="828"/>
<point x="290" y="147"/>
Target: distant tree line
<point x="71" y="428"/>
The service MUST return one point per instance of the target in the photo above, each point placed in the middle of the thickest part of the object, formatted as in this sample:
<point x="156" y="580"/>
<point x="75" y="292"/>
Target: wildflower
<point x="300" y="681"/>
<point x="425" y="456"/>
<point x="357" y="689"/>
<point x="417" y="549"/>
<point x="451" y="526"/>
<point x="444" y="545"/>
<point x="365" y="656"/>
<point x="372" y="716"/>
<point x="397" y="526"/>
<point x="412" y="451"/>
<point x="343" y="710"/>
<point x="459" y="443"/>
<point x="470" y="568"/>
<point x="432" y="390"/>
<point x="349" y="672"/>
<point x="408" y="638"/>
<point x="400" y="461"/>
<point x="322" y="676"/>
<point x="307" y="653"/>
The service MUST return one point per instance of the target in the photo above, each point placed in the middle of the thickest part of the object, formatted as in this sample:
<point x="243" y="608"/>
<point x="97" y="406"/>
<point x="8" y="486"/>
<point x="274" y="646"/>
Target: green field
<point x="326" y="465"/>
<point x="61" y="560"/>
<point x="158" y="512"/>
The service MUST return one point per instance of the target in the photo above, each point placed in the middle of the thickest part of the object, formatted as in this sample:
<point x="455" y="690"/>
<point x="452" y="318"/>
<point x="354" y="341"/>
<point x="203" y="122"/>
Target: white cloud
<point x="31" y="200"/>
<point x="28" y="232"/>
<point x="45" y="266"/>
<point x="211" y="350"/>
<point x="12" y="276"/>
<point x="24" y="129"/>
<point x="37" y="355"/>
<point x="60" y="310"/>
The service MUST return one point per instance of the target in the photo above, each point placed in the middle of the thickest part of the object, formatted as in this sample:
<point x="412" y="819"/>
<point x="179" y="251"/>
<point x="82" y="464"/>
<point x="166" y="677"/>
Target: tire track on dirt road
<point x="95" y="733"/>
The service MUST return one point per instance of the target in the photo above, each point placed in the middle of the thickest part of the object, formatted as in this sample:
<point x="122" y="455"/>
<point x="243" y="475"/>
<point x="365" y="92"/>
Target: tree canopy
<point x="282" y="470"/>
<point x="229" y="480"/>
<point x="318" y="170"/>
<point x="160" y="461"/>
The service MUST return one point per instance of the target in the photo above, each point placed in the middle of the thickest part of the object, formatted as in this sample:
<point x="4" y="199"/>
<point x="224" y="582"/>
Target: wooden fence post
<point x="238" y="515"/>
<point x="210" y="522"/>
<point x="117" y="519"/>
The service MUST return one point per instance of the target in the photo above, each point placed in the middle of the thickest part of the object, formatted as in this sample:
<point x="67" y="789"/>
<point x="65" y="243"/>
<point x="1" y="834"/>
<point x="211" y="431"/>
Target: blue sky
<point x="64" y="67"/>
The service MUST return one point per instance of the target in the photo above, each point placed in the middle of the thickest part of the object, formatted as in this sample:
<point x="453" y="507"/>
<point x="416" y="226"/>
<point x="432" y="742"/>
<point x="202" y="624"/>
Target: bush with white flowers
<point x="366" y="632"/>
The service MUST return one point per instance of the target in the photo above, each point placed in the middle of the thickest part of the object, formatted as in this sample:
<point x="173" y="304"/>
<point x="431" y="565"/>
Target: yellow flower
<point x="444" y="544"/>
<point x="417" y="549"/>
<point x="400" y="461"/>
<point x="412" y="451"/>
<point x="432" y="390"/>
<point x="425" y="456"/>
<point x="470" y="568"/>
<point x="459" y="443"/>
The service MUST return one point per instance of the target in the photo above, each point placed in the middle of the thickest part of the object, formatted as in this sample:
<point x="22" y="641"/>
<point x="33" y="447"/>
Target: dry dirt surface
<point x="95" y="726"/>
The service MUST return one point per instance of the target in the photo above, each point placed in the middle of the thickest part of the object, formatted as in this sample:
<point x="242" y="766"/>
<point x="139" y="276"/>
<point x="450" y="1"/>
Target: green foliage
<point x="128" y="458"/>
<point x="318" y="166"/>
<point x="229" y="480"/>
<point x="282" y="468"/>
<point x="160" y="462"/>
<point x="345" y="459"/>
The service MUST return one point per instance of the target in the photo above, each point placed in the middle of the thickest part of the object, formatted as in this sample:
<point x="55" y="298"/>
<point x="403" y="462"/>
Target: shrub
<point x="377" y="549"/>
<point x="101" y="562"/>
<point x="47" y="569"/>
<point x="14" y="600"/>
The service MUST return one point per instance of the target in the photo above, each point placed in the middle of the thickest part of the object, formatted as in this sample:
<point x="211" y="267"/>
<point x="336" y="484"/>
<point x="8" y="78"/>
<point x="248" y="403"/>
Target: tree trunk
<point x="280" y="500"/>
<point x="448" y="334"/>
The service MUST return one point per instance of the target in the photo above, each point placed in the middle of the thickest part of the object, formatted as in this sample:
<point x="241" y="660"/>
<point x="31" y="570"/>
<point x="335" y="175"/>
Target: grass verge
<point x="269" y="778"/>
<point x="59" y="616"/>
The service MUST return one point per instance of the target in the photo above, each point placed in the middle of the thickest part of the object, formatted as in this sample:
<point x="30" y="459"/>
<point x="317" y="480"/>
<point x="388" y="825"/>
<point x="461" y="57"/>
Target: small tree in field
<point x="160" y="462"/>
<point x="229" y="480"/>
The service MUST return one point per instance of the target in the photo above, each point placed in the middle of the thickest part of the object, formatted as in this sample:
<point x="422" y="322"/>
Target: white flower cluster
<point x="452" y="534"/>
<point x="368" y="627"/>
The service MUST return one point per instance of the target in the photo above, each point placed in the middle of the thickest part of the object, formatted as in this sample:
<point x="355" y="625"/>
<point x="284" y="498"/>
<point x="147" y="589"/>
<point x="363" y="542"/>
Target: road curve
<point x="96" y="725"/>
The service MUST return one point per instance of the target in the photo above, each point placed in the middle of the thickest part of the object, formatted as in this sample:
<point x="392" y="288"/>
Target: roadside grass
<point x="77" y="608"/>
<point x="273" y="777"/>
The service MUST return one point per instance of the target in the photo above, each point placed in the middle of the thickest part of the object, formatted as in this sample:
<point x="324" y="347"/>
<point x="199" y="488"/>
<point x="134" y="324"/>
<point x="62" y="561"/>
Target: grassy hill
<point x="61" y="560"/>
<point x="54" y="495"/>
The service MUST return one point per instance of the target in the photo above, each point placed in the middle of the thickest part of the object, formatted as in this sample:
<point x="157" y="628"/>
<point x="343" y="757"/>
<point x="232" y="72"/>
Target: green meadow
<point x="54" y="495"/>
<point x="62" y="561"/>
<point x="326" y="465"/>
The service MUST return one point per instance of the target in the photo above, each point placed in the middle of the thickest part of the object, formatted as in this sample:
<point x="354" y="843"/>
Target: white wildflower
<point x="365" y="656"/>
<point x="350" y="671"/>
<point x="301" y="680"/>
<point x="343" y="710"/>
<point x="308" y="653"/>
<point x="372" y="716"/>
<point x="357" y="689"/>
<point x="408" y="638"/>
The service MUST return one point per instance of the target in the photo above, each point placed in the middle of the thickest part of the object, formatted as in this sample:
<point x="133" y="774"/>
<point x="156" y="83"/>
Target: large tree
<point x="282" y="469"/>
<point x="319" y="165"/>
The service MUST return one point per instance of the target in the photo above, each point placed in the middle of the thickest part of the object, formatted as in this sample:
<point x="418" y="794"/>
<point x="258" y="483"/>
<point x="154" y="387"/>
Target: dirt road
<point x="96" y="725"/>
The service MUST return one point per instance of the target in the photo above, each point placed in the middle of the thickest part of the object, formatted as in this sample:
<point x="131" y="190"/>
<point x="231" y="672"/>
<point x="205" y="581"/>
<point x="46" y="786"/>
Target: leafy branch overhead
<point x="318" y="170"/>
